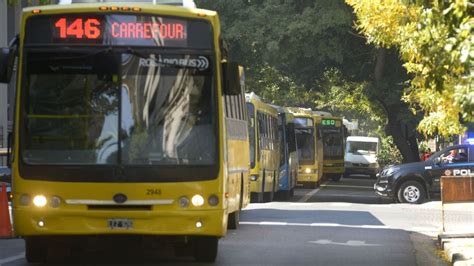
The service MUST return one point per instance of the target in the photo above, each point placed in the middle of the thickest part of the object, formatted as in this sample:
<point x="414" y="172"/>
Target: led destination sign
<point x="330" y="122"/>
<point x="119" y="29"/>
<point x="90" y="29"/>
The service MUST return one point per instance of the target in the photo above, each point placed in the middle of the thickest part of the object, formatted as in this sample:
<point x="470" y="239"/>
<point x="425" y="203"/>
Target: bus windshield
<point x="333" y="143"/>
<point x="98" y="108"/>
<point x="305" y="143"/>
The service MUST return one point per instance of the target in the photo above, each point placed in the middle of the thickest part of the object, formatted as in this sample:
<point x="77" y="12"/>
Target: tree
<point x="290" y="48"/>
<point x="434" y="39"/>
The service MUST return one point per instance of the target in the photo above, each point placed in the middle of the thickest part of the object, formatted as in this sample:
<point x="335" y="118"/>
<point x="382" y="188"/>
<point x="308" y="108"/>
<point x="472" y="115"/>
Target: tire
<point x="205" y="248"/>
<point x="35" y="250"/>
<point x="234" y="220"/>
<point x="269" y="196"/>
<point x="411" y="192"/>
<point x="373" y="176"/>
<point x="336" y="178"/>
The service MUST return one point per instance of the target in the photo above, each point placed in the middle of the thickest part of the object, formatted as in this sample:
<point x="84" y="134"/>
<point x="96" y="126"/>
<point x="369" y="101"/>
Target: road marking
<point x="273" y="223"/>
<point x="306" y="197"/>
<point x="349" y="196"/>
<point x="351" y="243"/>
<point x="348" y="186"/>
<point x="365" y="226"/>
<point x="14" y="258"/>
<point x="341" y="204"/>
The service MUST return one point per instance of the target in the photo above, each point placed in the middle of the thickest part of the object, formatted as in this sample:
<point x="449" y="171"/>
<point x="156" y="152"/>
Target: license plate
<point x="120" y="224"/>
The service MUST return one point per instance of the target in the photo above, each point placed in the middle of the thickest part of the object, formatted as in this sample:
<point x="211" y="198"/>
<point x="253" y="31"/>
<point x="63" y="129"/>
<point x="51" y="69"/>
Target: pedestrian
<point x="426" y="154"/>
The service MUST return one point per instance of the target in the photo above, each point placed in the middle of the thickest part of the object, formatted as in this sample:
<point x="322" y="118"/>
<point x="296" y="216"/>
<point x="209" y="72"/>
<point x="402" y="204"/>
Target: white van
<point x="361" y="156"/>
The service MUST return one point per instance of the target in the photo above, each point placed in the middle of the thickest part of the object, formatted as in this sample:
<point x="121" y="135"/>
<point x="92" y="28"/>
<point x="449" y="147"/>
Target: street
<point x="340" y="223"/>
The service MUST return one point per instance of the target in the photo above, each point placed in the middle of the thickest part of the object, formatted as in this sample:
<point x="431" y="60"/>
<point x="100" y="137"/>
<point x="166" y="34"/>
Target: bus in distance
<point x="288" y="154"/>
<point x="264" y="149"/>
<point x="334" y="135"/>
<point x="309" y="144"/>
<point x="123" y="132"/>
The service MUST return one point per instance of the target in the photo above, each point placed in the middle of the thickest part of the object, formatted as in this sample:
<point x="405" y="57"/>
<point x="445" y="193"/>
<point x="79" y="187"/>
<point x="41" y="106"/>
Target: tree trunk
<point x="405" y="142"/>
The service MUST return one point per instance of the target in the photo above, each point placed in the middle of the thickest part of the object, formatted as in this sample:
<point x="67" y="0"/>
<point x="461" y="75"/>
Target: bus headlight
<point x="253" y="177"/>
<point x="307" y="170"/>
<point x="197" y="200"/>
<point x="40" y="201"/>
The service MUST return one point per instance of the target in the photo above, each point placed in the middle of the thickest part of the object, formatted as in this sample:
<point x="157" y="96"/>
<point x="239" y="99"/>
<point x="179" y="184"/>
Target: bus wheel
<point x="35" y="250"/>
<point x="336" y="178"/>
<point x="233" y="221"/>
<point x="205" y="248"/>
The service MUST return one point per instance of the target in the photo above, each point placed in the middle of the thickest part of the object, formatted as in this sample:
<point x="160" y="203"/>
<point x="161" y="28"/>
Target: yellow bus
<point x="310" y="148"/>
<point x="334" y="138"/>
<point x="120" y="128"/>
<point x="264" y="149"/>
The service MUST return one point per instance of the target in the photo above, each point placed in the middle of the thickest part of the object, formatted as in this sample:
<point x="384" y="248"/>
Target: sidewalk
<point x="458" y="239"/>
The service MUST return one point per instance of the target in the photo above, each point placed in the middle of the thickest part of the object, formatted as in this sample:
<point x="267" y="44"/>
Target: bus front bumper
<point x="31" y="222"/>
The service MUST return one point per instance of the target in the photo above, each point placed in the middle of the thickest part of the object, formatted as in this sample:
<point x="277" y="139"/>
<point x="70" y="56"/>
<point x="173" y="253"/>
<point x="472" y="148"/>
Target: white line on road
<point x="341" y="204"/>
<point x="350" y="196"/>
<point x="347" y="186"/>
<point x="318" y="225"/>
<point x="311" y="193"/>
<point x="14" y="258"/>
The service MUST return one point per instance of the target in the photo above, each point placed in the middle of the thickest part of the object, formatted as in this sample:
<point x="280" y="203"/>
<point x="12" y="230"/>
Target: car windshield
<point x="359" y="147"/>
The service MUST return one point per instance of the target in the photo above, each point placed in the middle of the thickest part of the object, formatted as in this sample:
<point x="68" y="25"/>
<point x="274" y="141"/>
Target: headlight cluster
<point x="40" y="201"/>
<point x="373" y="165"/>
<point x="389" y="171"/>
<point x="309" y="171"/>
<point x="198" y="201"/>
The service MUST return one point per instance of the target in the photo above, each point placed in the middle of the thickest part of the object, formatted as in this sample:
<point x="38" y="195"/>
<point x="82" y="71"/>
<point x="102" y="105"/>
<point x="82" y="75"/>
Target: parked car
<point x="6" y="177"/>
<point x="414" y="182"/>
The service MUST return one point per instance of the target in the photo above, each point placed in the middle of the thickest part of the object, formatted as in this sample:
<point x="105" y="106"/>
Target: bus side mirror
<point x="231" y="78"/>
<point x="7" y="60"/>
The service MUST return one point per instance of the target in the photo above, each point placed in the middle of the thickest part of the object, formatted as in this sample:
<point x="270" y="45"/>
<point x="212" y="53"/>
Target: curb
<point x="457" y="252"/>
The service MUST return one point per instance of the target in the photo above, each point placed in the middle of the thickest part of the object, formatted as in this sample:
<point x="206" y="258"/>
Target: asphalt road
<point x="341" y="223"/>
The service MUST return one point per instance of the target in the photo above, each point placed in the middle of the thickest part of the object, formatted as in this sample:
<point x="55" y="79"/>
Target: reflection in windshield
<point x="357" y="147"/>
<point x="333" y="146"/>
<point x="166" y="114"/>
<point x="74" y="103"/>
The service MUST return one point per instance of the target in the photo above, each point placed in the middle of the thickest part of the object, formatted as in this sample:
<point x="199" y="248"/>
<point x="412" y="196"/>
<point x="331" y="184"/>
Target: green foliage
<point x="435" y="39"/>
<point x="389" y="154"/>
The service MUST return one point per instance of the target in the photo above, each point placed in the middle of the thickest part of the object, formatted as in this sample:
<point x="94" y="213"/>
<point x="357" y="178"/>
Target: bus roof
<point x="184" y="3"/>
<point x="259" y="104"/>
<point x="145" y="8"/>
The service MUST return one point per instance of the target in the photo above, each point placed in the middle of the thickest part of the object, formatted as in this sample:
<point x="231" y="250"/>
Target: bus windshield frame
<point x="161" y="168"/>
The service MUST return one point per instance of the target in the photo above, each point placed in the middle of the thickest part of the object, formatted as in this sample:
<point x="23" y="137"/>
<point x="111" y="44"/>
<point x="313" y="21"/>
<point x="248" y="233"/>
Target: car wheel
<point x="411" y="192"/>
